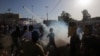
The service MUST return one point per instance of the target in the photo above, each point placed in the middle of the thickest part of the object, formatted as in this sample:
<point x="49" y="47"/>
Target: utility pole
<point x="32" y="11"/>
<point x="47" y="12"/>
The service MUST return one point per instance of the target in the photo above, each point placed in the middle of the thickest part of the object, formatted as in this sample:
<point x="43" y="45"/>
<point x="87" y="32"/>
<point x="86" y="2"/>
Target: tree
<point x="66" y="17"/>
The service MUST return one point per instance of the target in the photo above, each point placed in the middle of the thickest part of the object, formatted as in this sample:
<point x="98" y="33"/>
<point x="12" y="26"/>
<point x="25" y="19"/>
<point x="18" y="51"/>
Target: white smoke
<point x="61" y="33"/>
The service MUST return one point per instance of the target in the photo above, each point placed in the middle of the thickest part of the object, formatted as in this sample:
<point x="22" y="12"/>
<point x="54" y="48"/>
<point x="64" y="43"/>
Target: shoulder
<point x="40" y="47"/>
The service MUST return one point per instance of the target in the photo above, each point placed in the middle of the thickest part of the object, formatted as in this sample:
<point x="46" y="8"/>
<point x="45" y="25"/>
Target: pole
<point x="32" y="11"/>
<point x="47" y="12"/>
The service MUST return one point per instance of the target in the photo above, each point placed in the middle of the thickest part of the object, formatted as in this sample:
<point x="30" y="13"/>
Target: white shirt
<point x="27" y="35"/>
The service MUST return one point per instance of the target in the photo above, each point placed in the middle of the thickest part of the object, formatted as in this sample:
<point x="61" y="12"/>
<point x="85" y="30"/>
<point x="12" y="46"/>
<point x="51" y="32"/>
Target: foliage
<point x="66" y="17"/>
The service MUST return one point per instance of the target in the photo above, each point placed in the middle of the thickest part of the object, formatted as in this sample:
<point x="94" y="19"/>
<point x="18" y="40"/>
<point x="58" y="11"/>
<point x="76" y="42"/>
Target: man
<point x="86" y="15"/>
<point x="16" y="39"/>
<point x="51" y="36"/>
<point x="28" y="34"/>
<point x="32" y="48"/>
<point x="51" y="47"/>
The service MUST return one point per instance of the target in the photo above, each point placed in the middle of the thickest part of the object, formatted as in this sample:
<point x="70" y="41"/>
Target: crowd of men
<point x="25" y="42"/>
<point x="89" y="44"/>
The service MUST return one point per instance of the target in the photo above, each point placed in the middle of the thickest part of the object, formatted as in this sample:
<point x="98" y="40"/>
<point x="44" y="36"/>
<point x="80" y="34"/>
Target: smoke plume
<point x="61" y="33"/>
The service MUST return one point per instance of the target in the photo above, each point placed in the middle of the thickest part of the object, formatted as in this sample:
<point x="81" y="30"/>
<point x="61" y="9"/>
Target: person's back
<point x="16" y="33"/>
<point x="31" y="48"/>
<point x="75" y="45"/>
<point x="51" y="36"/>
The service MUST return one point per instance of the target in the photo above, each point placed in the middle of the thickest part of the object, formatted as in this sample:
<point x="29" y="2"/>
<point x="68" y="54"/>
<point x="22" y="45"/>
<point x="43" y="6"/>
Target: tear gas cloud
<point x="60" y="30"/>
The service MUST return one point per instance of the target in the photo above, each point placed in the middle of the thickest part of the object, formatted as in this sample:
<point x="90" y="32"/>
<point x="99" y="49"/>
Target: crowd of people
<point x="89" y="44"/>
<point x="22" y="38"/>
<point x="24" y="41"/>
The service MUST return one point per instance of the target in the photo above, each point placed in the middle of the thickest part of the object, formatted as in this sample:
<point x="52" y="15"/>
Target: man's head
<point x="51" y="29"/>
<point x="85" y="11"/>
<point x="35" y="36"/>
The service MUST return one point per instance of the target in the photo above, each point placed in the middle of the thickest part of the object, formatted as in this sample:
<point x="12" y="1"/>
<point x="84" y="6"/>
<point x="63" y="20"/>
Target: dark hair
<point x="25" y="27"/>
<point x="35" y="36"/>
<point x="31" y="27"/>
<point x="17" y="28"/>
<point x="51" y="29"/>
<point x="71" y="24"/>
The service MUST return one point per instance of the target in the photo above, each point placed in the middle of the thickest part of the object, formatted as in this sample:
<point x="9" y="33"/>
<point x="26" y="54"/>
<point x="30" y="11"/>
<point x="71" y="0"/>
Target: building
<point x="9" y="18"/>
<point x="26" y="21"/>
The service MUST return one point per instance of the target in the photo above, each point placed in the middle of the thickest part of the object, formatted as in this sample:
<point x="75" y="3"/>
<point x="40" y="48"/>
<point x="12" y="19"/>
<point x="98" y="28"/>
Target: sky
<point x="55" y="8"/>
